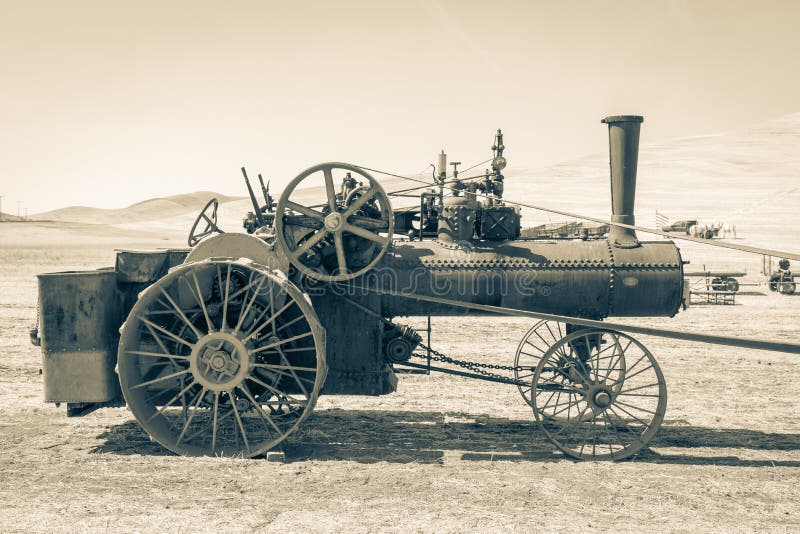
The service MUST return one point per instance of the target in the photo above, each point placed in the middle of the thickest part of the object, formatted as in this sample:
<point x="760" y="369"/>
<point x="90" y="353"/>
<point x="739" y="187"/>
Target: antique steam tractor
<point x="224" y="348"/>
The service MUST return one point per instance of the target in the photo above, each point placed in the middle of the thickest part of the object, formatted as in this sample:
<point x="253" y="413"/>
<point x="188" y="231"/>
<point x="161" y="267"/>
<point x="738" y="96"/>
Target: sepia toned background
<point x="109" y="103"/>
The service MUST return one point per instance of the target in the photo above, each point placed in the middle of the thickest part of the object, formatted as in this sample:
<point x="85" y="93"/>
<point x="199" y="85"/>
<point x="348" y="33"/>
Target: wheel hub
<point x="219" y="361"/>
<point x="601" y="397"/>
<point x="334" y="221"/>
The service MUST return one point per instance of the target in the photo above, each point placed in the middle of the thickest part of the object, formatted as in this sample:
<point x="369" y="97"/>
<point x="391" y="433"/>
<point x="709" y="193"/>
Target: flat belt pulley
<point x="343" y="236"/>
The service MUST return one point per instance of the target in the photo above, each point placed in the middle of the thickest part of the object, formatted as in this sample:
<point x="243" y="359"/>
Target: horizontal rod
<point x="710" y="274"/>
<point x="757" y="344"/>
<point x="465" y="374"/>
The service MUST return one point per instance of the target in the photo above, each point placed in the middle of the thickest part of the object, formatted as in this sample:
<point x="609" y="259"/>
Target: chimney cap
<point x="622" y="118"/>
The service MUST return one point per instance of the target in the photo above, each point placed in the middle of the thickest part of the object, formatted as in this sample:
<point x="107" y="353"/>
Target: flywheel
<point x="338" y="236"/>
<point x="222" y="358"/>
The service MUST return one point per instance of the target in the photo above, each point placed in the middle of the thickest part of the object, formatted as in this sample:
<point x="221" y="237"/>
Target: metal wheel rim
<point x="291" y="250"/>
<point x="534" y="344"/>
<point x="247" y="404"/>
<point x="635" y="410"/>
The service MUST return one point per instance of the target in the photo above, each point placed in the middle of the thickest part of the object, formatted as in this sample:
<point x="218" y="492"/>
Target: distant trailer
<point x="718" y="280"/>
<point x="567" y="230"/>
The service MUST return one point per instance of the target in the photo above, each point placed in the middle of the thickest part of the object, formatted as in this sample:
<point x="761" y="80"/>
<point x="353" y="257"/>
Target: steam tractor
<point x="225" y="347"/>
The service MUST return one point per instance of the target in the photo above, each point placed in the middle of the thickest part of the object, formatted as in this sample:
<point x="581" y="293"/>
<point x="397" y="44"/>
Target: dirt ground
<point x="441" y="454"/>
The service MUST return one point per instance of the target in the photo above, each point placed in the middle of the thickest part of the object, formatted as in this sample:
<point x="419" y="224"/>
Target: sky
<point x="108" y="103"/>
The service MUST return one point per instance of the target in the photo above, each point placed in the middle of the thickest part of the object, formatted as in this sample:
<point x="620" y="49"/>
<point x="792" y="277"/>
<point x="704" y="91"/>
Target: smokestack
<point x="623" y="146"/>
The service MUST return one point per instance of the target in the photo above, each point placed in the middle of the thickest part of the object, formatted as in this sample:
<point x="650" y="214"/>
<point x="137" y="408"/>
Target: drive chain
<point x="475" y="367"/>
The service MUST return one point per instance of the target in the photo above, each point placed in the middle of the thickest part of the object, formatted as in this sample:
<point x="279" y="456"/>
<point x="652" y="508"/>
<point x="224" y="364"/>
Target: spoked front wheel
<point x="221" y="358"/>
<point x="534" y="344"/>
<point x="599" y="395"/>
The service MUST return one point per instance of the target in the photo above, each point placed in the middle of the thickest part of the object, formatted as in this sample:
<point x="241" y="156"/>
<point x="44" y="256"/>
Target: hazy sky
<point x="107" y="103"/>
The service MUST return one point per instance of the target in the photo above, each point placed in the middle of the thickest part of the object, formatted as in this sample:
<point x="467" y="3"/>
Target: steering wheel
<point x="341" y="238"/>
<point x="210" y="220"/>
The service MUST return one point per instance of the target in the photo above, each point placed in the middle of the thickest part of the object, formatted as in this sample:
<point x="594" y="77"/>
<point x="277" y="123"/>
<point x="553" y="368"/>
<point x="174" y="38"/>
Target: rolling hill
<point x="147" y="210"/>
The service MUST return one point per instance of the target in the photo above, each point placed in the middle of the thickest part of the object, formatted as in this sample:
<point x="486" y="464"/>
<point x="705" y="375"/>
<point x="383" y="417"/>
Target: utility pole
<point x="19" y="203"/>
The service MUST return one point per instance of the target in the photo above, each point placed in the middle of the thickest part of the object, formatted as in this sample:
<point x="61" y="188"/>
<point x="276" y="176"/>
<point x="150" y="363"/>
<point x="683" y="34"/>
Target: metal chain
<point x="475" y="367"/>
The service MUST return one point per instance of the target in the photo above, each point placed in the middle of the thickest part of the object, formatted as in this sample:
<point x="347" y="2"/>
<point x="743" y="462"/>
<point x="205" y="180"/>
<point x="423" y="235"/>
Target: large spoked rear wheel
<point x="221" y="358"/>
<point x="599" y="395"/>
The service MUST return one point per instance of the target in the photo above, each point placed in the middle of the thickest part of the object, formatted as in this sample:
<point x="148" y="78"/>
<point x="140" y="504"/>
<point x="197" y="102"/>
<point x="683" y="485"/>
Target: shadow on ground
<point x="423" y="437"/>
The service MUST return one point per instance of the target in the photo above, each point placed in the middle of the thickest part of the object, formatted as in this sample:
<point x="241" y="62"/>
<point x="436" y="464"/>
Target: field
<point x="443" y="453"/>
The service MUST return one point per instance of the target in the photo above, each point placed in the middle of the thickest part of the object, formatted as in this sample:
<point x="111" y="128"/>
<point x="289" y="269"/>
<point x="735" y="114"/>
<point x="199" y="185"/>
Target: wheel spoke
<point x="368" y="223"/>
<point x="160" y="379"/>
<point x="281" y="342"/>
<point x="152" y="325"/>
<point x="310" y="242"/>
<point x="290" y="323"/>
<point x="360" y="201"/>
<point x="169" y="403"/>
<point x="191" y="416"/>
<point x="263" y="415"/>
<point x="225" y="302"/>
<point x="628" y="429"/>
<point x="631" y="406"/>
<point x="578" y="400"/>
<point x="285" y="367"/>
<point x="214" y="421"/>
<point x="246" y="311"/>
<point x="550" y="398"/>
<point x="366" y="234"/>
<point x="546" y="343"/>
<point x="644" y="356"/>
<point x="568" y="424"/>
<point x="181" y="314"/>
<point x="199" y="298"/>
<point x="626" y="391"/>
<point x="238" y="419"/>
<point x="329" y="190"/>
<point x="341" y="259"/>
<point x="246" y="287"/>
<point x="619" y="358"/>
<point x="547" y="325"/>
<point x="156" y="355"/>
<point x="622" y="379"/>
<point x="269" y="321"/>
<point x="614" y="428"/>
<point x="629" y="414"/>
<point x="308" y="212"/>
<point x="278" y="392"/>
<point x="292" y="374"/>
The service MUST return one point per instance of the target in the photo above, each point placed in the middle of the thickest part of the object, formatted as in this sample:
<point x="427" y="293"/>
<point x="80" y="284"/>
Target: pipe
<point x="623" y="146"/>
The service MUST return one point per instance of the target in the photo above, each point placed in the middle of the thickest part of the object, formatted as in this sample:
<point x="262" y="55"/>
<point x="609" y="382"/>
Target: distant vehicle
<point x="783" y="280"/>
<point x="680" y="226"/>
